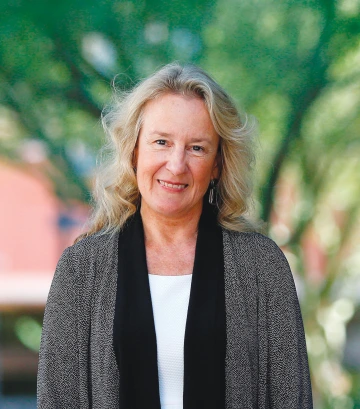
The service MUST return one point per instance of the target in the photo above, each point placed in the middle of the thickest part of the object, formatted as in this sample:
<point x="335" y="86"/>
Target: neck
<point x="160" y="229"/>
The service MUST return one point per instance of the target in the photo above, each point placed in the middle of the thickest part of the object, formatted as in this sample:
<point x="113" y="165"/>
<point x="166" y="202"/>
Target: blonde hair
<point x="116" y="195"/>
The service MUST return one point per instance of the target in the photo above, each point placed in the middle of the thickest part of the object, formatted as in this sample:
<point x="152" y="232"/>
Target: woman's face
<point x="176" y="155"/>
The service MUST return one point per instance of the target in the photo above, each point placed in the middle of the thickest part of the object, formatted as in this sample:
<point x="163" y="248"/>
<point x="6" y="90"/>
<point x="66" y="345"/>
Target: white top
<point x="170" y="300"/>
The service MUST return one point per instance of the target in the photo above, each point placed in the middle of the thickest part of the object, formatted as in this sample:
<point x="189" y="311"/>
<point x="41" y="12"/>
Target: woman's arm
<point x="58" y="372"/>
<point x="287" y="371"/>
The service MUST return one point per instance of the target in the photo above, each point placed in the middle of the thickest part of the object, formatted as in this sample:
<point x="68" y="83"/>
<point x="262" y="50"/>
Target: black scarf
<point x="205" y="333"/>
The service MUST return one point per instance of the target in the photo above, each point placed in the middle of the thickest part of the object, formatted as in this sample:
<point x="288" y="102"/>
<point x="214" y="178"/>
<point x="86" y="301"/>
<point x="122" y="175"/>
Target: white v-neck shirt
<point x="170" y="300"/>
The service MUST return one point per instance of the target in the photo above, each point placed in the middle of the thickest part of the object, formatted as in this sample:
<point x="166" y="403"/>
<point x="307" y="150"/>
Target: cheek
<point x="203" y="173"/>
<point x="147" y="168"/>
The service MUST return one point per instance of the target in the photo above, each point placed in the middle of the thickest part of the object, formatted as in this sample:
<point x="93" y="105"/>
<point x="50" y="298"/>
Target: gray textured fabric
<point x="266" y="359"/>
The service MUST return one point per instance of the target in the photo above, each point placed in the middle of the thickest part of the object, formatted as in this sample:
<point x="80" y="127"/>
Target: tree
<point x="293" y="65"/>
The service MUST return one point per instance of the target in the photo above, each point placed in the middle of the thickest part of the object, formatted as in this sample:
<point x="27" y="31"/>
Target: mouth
<point x="177" y="186"/>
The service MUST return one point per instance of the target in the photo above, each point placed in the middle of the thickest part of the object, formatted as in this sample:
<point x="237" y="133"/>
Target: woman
<point x="171" y="300"/>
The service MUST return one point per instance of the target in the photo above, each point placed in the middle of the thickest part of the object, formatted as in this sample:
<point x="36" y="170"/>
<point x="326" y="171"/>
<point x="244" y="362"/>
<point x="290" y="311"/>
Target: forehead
<point x="178" y="115"/>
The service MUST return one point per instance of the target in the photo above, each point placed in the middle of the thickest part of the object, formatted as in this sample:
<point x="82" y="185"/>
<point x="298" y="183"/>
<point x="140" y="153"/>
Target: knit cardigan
<point x="266" y="364"/>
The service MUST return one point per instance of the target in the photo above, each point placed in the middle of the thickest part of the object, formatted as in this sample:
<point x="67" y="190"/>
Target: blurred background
<point x="293" y="64"/>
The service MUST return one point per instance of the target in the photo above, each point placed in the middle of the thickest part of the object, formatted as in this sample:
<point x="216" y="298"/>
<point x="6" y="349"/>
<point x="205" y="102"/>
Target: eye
<point x="198" y="148"/>
<point x="160" y="142"/>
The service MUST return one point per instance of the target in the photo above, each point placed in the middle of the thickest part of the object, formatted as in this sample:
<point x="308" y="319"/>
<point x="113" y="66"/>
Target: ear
<point x="215" y="174"/>
<point x="135" y="156"/>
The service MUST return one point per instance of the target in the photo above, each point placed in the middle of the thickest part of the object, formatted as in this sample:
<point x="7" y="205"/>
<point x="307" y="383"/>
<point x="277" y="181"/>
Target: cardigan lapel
<point x="205" y="334"/>
<point x="134" y="328"/>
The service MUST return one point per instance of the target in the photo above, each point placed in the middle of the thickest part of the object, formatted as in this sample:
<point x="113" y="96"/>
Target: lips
<point x="178" y="186"/>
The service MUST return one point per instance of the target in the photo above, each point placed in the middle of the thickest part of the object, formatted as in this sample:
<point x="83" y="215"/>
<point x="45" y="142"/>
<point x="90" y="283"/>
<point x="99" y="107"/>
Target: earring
<point x="212" y="192"/>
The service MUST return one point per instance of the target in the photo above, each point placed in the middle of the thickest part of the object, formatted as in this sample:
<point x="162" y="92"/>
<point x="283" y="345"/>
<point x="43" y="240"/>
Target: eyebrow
<point x="160" y="133"/>
<point x="169" y="135"/>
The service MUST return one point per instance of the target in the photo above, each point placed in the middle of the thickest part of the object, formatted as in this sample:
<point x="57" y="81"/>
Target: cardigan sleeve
<point x="58" y="371"/>
<point x="287" y="371"/>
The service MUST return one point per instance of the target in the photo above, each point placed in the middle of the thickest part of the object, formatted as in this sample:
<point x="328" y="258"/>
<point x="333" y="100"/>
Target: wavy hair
<point x="116" y="195"/>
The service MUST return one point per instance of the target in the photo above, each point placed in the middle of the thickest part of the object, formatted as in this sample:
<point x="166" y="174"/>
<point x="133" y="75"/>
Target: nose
<point x="176" y="162"/>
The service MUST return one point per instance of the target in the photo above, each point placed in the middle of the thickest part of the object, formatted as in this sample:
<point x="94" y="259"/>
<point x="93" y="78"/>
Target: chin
<point x="176" y="211"/>
<point x="169" y="209"/>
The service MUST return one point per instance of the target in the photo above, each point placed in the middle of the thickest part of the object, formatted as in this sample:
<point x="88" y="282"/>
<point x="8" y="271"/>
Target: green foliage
<point x="28" y="331"/>
<point x="57" y="64"/>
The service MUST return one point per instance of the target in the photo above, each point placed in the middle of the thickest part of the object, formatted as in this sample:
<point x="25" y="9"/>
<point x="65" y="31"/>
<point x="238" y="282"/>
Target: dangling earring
<point x="212" y="192"/>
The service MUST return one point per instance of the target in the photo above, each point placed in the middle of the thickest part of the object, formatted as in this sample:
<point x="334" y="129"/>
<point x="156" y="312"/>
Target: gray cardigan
<point x="266" y="360"/>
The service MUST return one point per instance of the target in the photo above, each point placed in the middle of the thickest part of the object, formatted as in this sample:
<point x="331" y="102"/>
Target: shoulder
<point x="257" y="250"/>
<point x="264" y="245"/>
<point x="81" y="262"/>
<point x="88" y="254"/>
<point x="97" y="245"/>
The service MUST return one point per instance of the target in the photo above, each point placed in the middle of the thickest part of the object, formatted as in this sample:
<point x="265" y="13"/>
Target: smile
<point x="171" y="185"/>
